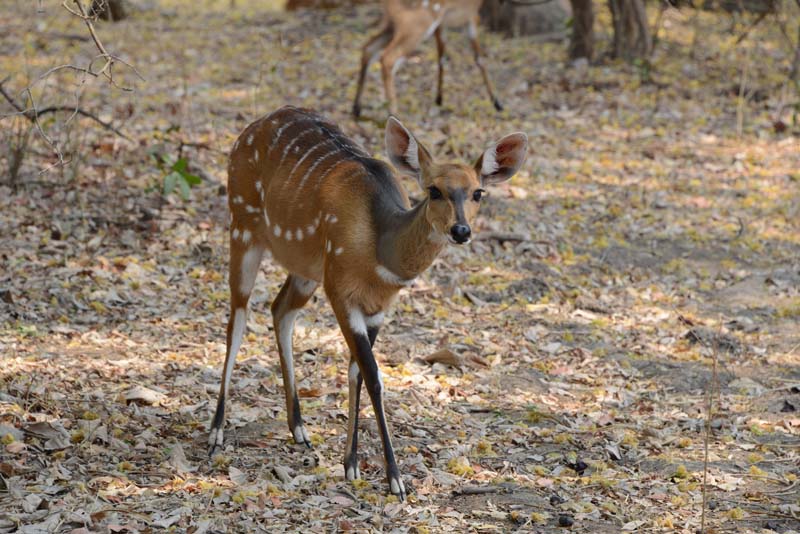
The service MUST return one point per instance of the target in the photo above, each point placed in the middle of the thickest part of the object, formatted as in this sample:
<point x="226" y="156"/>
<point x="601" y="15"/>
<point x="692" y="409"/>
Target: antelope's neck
<point x="408" y="244"/>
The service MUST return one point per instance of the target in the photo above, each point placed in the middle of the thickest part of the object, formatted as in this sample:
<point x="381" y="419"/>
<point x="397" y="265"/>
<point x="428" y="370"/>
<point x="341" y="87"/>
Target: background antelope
<point x="330" y="214"/>
<point x="405" y="24"/>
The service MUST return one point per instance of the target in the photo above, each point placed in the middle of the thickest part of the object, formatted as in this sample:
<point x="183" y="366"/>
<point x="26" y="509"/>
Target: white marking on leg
<point x="239" y="323"/>
<point x="391" y="278"/>
<point x="246" y="236"/>
<point x="374" y="320"/>
<point x="304" y="286"/>
<point x="251" y="261"/>
<point x="356" y="320"/>
<point x="352" y="381"/>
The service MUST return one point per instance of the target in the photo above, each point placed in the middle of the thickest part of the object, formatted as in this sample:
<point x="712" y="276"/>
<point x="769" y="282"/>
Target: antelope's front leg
<point x="354" y="328"/>
<point x="355" y="380"/>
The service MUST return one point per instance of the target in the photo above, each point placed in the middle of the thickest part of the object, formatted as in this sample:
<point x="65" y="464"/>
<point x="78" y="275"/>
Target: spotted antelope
<point x="332" y="215"/>
<point x="406" y="24"/>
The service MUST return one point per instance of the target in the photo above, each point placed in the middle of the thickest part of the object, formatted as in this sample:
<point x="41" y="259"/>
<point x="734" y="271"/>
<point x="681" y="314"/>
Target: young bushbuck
<point x="406" y="24"/>
<point x="332" y="215"/>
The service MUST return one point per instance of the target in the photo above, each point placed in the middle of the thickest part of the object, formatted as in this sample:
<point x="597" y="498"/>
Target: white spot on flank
<point x="328" y="247"/>
<point x="259" y="187"/>
<point x="288" y="234"/>
<point x="235" y="233"/>
<point x="249" y="139"/>
<point x="338" y="251"/>
<point x="238" y="199"/>
<point x="436" y="7"/>
<point x="299" y="234"/>
<point x="356" y="320"/>
<point x="311" y="229"/>
<point x="293" y="144"/>
<point x="251" y="209"/>
<point x="391" y="278"/>
<point x="255" y="155"/>
<point x="246" y="236"/>
<point x="277" y="230"/>
<point x="333" y="218"/>
<point x="266" y="217"/>
<point x="278" y="134"/>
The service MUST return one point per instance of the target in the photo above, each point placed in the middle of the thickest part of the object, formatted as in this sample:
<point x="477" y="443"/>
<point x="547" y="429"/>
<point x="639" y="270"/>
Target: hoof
<point x="497" y="105"/>
<point x="438" y="100"/>
<point x="301" y="436"/>
<point x="397" y="487"/>
<point x="356" y="110"/>
<point x="215" y="441"/>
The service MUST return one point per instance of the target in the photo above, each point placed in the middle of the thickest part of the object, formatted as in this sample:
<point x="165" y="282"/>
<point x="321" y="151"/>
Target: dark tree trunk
<point x="108" y="9"/>
<point x="632" y="38"/>
<point x="538" y="17"/>
<point x="581" y="42"/>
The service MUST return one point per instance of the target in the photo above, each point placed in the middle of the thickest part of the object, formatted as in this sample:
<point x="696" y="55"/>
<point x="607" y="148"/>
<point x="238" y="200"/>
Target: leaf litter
<point x="568" y="349"/>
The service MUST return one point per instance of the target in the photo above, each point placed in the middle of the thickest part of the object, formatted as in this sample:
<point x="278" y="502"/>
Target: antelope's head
<point x="454" y="190"/>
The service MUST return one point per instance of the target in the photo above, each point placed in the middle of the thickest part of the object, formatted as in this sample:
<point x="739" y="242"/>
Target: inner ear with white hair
<point x="502" y="159"/>
<point x="407" y="154"/>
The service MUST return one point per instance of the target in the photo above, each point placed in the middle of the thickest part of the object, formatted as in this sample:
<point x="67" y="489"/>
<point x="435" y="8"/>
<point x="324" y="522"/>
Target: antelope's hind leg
<point x="244" y="264"/>
<point x="294" y="294"/>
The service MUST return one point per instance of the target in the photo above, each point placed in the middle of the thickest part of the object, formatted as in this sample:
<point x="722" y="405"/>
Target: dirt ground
<point x="645" y="262"/>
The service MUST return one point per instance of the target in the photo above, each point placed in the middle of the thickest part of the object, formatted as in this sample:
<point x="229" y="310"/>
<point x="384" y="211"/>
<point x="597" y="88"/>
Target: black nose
<point x="460" y="233"/>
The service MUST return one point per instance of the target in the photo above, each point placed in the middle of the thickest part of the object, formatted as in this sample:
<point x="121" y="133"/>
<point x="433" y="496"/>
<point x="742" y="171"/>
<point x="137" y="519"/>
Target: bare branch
<point x="34" y="114"/>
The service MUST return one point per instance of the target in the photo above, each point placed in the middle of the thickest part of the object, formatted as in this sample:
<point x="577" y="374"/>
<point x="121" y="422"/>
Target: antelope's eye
<point x="476" y="196"/>
<point x="435" y="193"/>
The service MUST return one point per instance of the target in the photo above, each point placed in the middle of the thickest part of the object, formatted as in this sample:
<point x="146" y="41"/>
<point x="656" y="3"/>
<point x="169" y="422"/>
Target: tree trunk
<point x="581" y="42"/>
<point x="108" y="9"/>
<point x="632" y="38"/>
<point x="526" y="17"/>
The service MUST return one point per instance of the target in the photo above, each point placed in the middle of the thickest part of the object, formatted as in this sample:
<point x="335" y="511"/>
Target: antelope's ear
<point x="404" y="151"/>
<point x="503" y="159"/>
